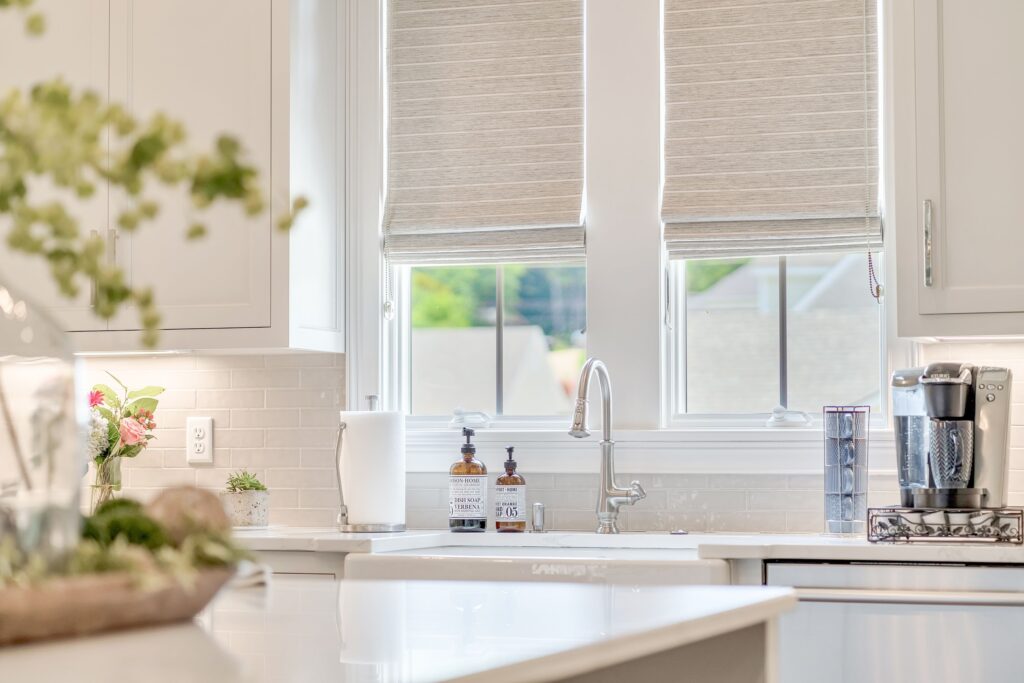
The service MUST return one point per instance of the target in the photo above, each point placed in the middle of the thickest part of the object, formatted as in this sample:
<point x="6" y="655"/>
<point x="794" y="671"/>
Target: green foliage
<point x="702" y="275"/>
<point x="119" y="519"/>
<point x="35" y="24"/>
<point x="78" y="142"/>
<point x="118" y="505"/>
<point x="244" y="481"/>
<point x="553" y="298"/>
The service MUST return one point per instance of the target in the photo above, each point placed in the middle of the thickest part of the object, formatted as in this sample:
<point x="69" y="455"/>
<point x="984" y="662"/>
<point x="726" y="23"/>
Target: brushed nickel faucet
<point x="609" y="495"/>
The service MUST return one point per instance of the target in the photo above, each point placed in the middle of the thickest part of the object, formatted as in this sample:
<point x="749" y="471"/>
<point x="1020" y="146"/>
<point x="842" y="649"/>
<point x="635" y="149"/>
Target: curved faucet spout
<point x="610" y="495"/>
<point x="580" y="416"/>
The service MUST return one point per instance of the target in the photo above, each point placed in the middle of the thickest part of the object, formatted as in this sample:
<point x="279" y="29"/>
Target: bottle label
<point x="510" y="503"/>
<point x="467" y="497"/>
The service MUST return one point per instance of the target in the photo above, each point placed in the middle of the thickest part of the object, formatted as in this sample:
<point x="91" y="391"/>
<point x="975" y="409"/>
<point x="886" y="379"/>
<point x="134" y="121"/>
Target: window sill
<point x="662" y="451"/>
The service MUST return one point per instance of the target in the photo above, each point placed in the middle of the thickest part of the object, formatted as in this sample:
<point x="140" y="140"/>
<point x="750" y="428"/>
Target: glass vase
<point x="42" y="435"/>
<point x="107" y="483"/>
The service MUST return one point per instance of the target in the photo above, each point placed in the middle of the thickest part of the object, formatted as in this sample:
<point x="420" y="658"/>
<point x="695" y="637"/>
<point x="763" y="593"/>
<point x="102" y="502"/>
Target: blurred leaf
<point x="146" y="391"/>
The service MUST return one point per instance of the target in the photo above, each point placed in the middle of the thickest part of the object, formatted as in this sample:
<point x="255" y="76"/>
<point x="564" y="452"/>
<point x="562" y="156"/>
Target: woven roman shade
<point x="485" y="131"/>
<point x="771" y="135"/>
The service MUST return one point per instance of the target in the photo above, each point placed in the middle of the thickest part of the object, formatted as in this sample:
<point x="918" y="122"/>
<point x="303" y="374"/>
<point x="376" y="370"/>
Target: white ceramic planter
<point x="247" y="508"/>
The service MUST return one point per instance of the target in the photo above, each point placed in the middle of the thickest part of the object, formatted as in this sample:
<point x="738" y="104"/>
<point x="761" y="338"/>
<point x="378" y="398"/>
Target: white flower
<point x="99" y="440"/>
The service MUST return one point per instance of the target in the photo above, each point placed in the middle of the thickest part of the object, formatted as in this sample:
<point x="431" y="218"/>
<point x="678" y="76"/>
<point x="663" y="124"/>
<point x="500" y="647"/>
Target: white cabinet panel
<point x="863" y="642"/>
<point x="956" y="93"/>
<point x="74" y="47"/>
<point x="207" y="64"/>
<point x="970" y="145"/>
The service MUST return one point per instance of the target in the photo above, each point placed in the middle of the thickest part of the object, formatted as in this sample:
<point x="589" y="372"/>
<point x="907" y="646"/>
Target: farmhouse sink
<point x="638" y="566"/>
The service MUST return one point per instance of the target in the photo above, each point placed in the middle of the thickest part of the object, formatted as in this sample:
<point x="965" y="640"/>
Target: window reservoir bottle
<point x="467" y="490"/>
<point x="510" y="498"/>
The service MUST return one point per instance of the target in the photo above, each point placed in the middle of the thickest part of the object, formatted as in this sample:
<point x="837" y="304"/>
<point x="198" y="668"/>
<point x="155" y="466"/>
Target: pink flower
<point x="132" y="431"/>
<point x="95" y="398"/>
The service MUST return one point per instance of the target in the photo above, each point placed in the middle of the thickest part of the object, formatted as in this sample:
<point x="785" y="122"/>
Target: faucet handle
<point x="638" y="490"/>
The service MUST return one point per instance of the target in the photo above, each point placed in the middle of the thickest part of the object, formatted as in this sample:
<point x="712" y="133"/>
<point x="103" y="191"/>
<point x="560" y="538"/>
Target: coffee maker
<point x="952" y="423"/>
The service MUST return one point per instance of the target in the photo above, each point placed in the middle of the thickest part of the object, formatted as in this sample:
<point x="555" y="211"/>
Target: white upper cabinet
<point x="80" y="30"/>
<point x="958" y="157"/>
<point x="268" y="72"/>
<point x="208" y="65"/>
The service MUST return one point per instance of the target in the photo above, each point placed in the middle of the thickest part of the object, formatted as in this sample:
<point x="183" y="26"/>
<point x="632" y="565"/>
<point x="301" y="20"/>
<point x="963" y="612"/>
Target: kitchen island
<point x="320" y="629"/>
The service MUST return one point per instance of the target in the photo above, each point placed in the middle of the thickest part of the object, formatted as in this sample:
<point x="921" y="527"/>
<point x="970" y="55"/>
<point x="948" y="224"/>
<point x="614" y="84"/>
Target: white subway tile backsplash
<point x="319" y="498"/>
<point x="747" y="481"/>
<point x="704" y="501"/>
<point x="229" y="398"/>
<point x="786" y="500"/>
<point x="265" y="417"/>
<point x="264" y="458"/>
<point x="276" y="415"/>
<point x="274" y="377"/>
<point x="300" y="478"/>
<point x="303" y="398"/>
<point x="317" y="457"/>
<point x="248" y="396"/>
<point x="146" y="477"/>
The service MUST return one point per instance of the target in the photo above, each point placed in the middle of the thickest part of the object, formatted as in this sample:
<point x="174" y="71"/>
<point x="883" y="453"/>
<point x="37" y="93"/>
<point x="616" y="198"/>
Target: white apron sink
<point x="639" y="566"/>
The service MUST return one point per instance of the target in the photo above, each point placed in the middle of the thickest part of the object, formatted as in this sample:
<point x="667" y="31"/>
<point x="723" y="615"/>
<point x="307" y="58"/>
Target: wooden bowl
<point x="79" y="605"/>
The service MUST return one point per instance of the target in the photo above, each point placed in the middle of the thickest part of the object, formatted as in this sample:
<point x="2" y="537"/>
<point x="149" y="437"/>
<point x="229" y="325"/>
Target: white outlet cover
<point x="199" y="440"/>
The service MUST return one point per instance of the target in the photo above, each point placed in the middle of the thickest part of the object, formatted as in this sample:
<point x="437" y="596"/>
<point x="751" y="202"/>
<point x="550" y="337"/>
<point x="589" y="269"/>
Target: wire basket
<point x="945" y="525"/>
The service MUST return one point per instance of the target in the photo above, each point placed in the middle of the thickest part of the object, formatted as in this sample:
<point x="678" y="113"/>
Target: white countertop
<point x="707" y="545"/>
<point x="325" y="630"/>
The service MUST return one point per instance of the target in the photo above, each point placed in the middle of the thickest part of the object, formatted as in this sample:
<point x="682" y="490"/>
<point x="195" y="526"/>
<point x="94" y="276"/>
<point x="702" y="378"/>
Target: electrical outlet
<point x="199" y="440"/>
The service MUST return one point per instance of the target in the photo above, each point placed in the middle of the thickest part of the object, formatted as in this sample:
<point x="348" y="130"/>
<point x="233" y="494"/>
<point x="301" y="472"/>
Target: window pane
<point x="543" y="343"/>
<point x="732" y="335"/>
<point x="834" y="332"/>
<point x="452" y="330"/>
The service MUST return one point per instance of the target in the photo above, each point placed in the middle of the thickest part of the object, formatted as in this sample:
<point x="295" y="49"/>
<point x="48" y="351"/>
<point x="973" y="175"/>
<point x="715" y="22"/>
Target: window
<point x="797" y="331"/>
<point x="733" y="145"/>
<point x="508" y="340"/>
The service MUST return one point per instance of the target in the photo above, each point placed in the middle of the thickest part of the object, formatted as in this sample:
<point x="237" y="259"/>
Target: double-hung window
<point x="503" y="272"/>
<point x="771" y="205"/>
<point x="483" y="224"/>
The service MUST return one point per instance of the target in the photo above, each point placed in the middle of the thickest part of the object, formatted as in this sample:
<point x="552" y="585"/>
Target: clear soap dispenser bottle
<point x="467" y="490"/>
<point x="510" y="498"/>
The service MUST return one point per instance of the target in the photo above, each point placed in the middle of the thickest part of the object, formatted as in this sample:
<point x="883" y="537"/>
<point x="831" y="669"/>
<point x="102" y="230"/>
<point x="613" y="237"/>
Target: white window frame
<point x="678" y="418"/>
<point x="626" y="327"/>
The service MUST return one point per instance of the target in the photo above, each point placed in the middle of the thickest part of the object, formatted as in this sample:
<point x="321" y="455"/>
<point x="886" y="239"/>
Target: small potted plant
<point x="246" y="500"/>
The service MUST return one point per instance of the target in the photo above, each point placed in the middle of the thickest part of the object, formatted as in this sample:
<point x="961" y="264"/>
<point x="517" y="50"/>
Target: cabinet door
<point x="207" y="64"/>
<point x="970" y="147"/>
<point x="74" y="48"/>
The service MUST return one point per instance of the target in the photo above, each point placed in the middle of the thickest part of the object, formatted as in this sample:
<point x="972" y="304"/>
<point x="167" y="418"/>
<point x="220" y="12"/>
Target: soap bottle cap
<point x="510" y="464"/>
<point x="468" y="447"/>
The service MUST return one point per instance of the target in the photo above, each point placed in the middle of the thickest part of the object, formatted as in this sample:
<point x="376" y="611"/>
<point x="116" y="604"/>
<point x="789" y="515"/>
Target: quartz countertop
<point x="302" y="629"/>
<point x="707" y="545"/>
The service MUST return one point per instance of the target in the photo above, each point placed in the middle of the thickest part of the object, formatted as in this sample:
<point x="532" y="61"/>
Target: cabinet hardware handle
<point x="927" y="207"/>
<point x="112" y="237"/>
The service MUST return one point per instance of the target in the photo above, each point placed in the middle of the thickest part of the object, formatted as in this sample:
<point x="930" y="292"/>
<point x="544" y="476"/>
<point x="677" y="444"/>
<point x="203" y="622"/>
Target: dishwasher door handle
<point x="908" y="597"/>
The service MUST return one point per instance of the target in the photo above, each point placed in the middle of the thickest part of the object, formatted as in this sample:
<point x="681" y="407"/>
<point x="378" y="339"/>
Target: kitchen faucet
<point x="609" y="495"/>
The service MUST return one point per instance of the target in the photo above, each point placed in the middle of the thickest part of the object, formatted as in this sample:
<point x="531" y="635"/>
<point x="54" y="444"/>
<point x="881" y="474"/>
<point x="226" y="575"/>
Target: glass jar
<point x="42" y="436"/>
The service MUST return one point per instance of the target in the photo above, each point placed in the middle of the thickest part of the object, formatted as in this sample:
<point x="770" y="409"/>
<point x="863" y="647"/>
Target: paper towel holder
<point x="343" y="525"/>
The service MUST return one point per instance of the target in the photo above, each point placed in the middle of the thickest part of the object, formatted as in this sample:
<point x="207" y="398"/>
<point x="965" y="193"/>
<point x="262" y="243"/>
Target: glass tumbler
<point x="846" y="468"/>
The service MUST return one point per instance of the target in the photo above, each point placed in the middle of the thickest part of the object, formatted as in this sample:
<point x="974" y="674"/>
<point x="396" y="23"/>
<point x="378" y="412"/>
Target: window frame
<point x="642" y="365"/>
<point x="402" y="338"/>
<point x="676" y="415"/>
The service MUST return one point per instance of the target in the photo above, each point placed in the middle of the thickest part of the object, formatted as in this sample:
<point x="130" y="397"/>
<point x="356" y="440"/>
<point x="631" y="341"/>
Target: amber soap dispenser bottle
<point x="510" y="498"/>
<point x="467" y="490"/>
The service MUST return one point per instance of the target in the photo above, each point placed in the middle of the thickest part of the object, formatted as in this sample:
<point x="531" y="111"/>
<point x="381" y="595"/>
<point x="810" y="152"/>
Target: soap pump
<point x="467" y="489"/>
<point x="510" y="498"/>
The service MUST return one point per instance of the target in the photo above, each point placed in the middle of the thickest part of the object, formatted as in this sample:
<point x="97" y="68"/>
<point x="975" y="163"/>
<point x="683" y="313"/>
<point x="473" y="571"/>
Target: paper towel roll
<point x="372" y="467"/>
